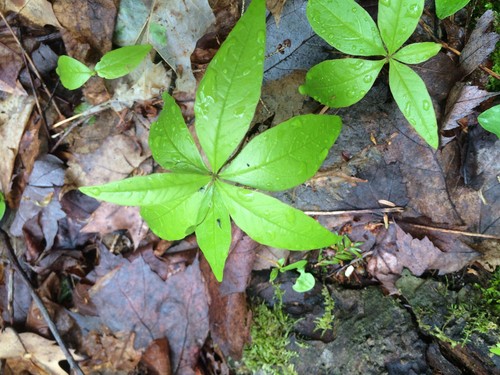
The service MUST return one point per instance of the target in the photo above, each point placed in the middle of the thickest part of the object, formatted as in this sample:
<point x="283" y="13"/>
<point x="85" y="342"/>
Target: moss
<point x="325" y="322"/>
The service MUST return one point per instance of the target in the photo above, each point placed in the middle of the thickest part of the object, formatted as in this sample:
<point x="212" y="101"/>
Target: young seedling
<point x="2" y="205"/>
<point x="114" y="64"/>
<point x="445" y="8"/>
<point x="490" y="120"/>
<point x="349" y="28"/>
<point x="200" y="198"/>
<point x="304" y="283"/>
<point x="345" y="251"/>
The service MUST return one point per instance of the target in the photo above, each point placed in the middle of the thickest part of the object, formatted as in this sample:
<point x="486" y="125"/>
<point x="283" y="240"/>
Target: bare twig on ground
<point x="454" y="231"/>
<point x="43" y="310"/>
<point x="347" y="212"/>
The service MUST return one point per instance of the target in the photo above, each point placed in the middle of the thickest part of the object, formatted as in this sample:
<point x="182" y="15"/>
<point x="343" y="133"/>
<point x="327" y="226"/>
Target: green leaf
<point x="121" y="61"/>
<point x="273" y="275"/>
<point x="229" y="92"/>
<point x="2" y="205"/>
<point x="72" y="72"/>
<point x="286" y="155"/>
<point x="397" y="20"/>
<point x="175" y="219"/>
<point x="445" y="8"/>
<point x="304" y="283"/>
<point x="413" y="100"/>
<point x="490" y="120"/>
<point x="170" y="141"/>
<point x="214" y="235"/>
<point x="417" y="52"/>
<point x="294" y="266"/>
<point x="271" y="222"/>
<point x="341" y="83"/>
<point x="495" y="349"/>
<point x="345" y="25"/>
<point x="148" y="190"/>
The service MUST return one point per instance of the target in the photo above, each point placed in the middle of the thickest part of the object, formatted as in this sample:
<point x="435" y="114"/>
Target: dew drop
<point x="261" y="37"/>
<point x="368" y="78"/>
<point x="239" y="112"/>
<point x="407" y="110"/>
<point x="426" y="105"/>
<point x="354" y="10"/>
<point x="413" y="10"/>
<point x="351" y="93"/>
<point x="385" y="2"/>
<point x="94" y="191"/>
<point x="245" y="195"/>
<point x="361" y="51"/>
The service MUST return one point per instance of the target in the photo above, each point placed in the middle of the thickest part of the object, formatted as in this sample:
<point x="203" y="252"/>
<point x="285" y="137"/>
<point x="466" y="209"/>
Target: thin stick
<point x="366" y="211"/>
<point x="454" y="231"/>
<point x="43" y="310"/>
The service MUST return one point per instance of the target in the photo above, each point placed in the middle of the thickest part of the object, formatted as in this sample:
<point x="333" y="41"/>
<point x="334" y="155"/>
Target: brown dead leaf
<point x="397" y="249"/>
<point x="133" y="298"/>
<point x="461" y="101"/>
<point x="480" y="44"/>
<point x="11" y="64"/>
<point x="38" y="12"/>
<point x="110" y="217"/>
<point x="21" y="298"/>
<point x="276" y="7"/>
<point x="88" y="36"/>
<point x="24" y="350"/>
<point x="156" y="358"/>
<point x="16" y="111"/>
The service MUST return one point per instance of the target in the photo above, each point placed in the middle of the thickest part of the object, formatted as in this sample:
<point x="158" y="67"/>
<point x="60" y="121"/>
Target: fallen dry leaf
<point x="21" y="297"/>
<point x="16" y="111"/>
<point x="480" y="44"/>
<point x="11" y="64"/>
<point x="180" y="25"/>
<point x="27" y="347"/>
<point x="156" y="358"/>
<point x="133" y="298"/>
<point x="39" y="12"/>
<point x="462" y="99"/>
<point x="110" y="217"/>
<point x="276" y="7"/>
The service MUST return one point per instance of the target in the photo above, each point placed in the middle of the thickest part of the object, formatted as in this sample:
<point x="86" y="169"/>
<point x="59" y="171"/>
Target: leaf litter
<point x="158" y="301"/>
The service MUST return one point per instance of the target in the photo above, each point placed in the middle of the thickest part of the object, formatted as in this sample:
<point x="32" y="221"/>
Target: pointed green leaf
<point x="305" y="282"/>
<point x="286" y="155"/>
<point x="121" y="61"/>
<point x="148" y="190"/>
<point x="271" y="222"/>
<point x="490" y="120"/>
<point x="417" y="52"/>
<point x="341" y="83"/>
<point x="214" y="235"/>
<point x="413" y="100"/>
<point x="445" y="8"/>
<point x="294" y="266"/>
<point x="72" y="72"/>
<point x="170" y="141"/>
<point x="2" y="205"/>
<point x="174" y="220"/>
<point x="229" y="92"/>
<point x="397" y="20"/>
<point x="345" y="25"/>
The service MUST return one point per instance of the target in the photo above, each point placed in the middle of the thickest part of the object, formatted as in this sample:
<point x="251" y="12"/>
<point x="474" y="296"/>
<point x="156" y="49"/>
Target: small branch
<point x="43" y="310"/>
<point x="453" y="231"/>
<point x="366" y="211"/>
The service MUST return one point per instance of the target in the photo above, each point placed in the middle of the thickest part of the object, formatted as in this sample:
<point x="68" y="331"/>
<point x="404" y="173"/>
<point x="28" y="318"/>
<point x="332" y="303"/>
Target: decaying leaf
<point x="10" y="65"/>
<point x="27" y="347"/>
<point x="174" y="28"/>
<point x="110" y="217"/>
<point x="276" y="7"/>
<point x="461" y="101"/>
<point x="39" y="12"/>
<point x="480" y="44"/>
<point x="134" y="298"/>
<point x="16" y="110"/>
<point x="40" y="199"/>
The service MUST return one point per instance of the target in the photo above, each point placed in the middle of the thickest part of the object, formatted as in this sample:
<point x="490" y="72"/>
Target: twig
<point x="366" y="211"/>
<point x="43" y="310"/>
<point x="453" y="231"/>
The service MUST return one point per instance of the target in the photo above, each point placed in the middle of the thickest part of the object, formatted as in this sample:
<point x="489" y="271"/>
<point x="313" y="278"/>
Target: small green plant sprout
<point x="445" y="8"/>
<point x="304" y="283"/>
<point x="490" y="120"/>
<point x="495" y="349"/>
<point x="349" y="28"/>
<point x="114" y="64"/>
<point x="325" y="322"/>
<point x="2" y="205"/>
<point x="345" y="251"/>
<point x="202" y="198"/>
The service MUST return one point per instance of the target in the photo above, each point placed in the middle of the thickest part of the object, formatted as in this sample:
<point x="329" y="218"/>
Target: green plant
<point x="325" y="322"/>
<point x="490" y="120"/>
<point x="495" y="349"/>
<point x="445" y="8"/>
<point x="196" y="198"/>
<point x="345" y="251"/>
<point x="304" y="282"/>
<point x="2" y="205"/>
<point x="349" y="28"/>
<point x="268" y="352"/>
<point x="113" y="64"/>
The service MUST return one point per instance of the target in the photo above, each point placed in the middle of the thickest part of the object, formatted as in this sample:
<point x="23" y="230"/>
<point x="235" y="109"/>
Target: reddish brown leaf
<point x="156" y="358"/>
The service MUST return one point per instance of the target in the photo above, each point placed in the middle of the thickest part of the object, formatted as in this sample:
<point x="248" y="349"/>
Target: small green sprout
<point x="304" y="283"/>
<point x="490" y="120"/>
<point x="2" y="205"/>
